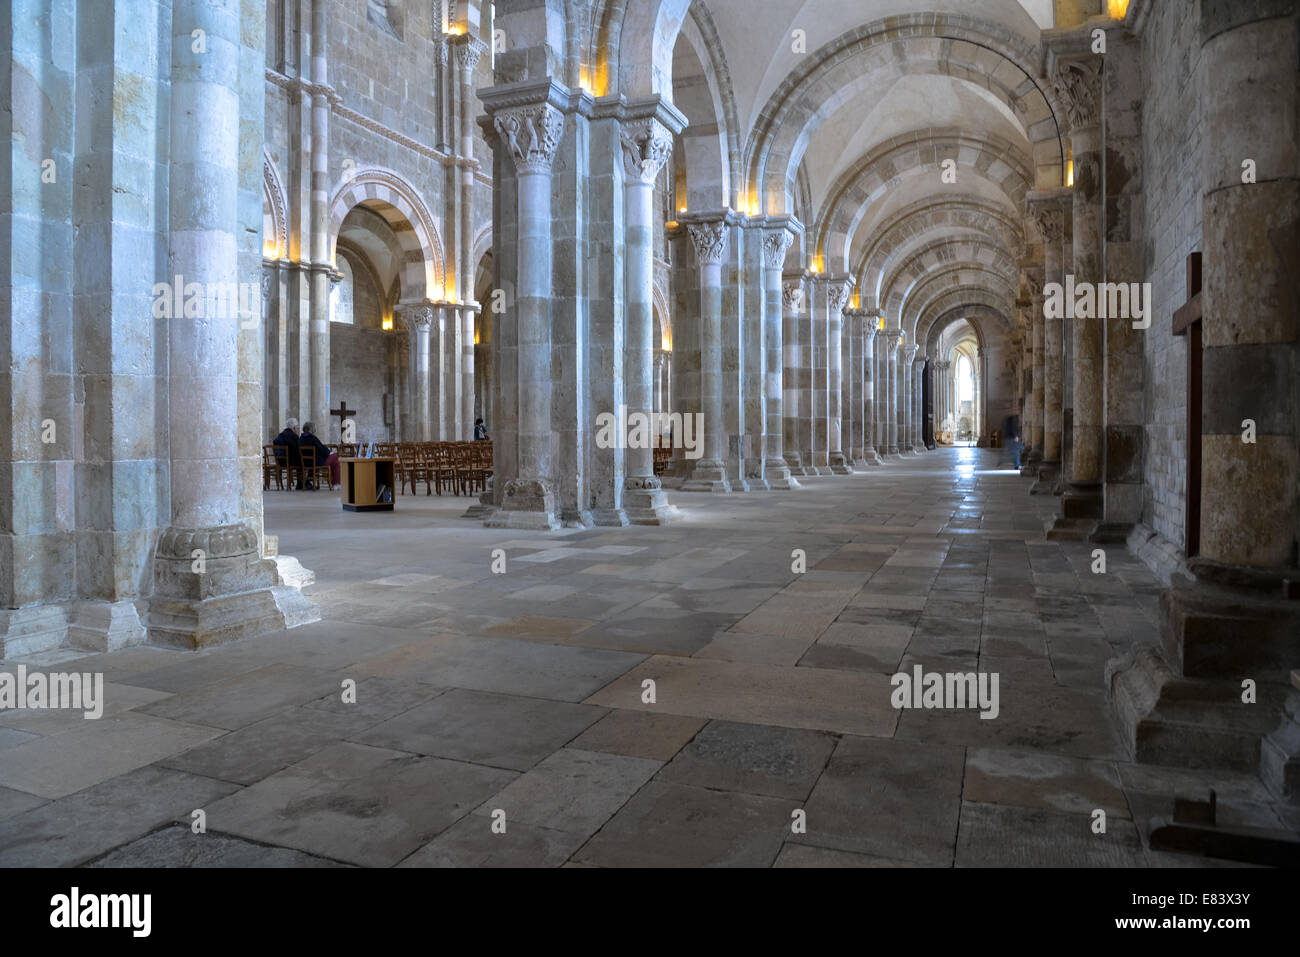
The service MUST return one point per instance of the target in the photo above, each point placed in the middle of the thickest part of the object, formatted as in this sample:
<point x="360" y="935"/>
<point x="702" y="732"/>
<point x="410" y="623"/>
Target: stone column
<point x="446" y="373"/>
<point x="851" y="389"/>
<point x="1038" y="393"/>
<point x="890" y="358"/>
<point x="818" y="409"/>
<point x="469" y="49"/>
<point x="902" y="396"/>
<point x="531" y="134"/>
<point x="751" y="292"/>
<point x="1236" y="615"/>
<point x="320" y="186"/>
<point x="870" y="398"/>
<point x="1048" y="216"/>
<point x="776" y="243"/>
<point x="940" y="398"/>
<point x="796" y="373"/>
<point x="660" y="362"/>
<point x="1249" y="514"/>
<point x="647" y="144"/>
<point x="1077" y="82"/>
<point x="710" y="242"/>
<point x="836" y="298"/>
<point x="918" y="402"/>
<point x="418" y="320"/>
<point x="211" y="583"/>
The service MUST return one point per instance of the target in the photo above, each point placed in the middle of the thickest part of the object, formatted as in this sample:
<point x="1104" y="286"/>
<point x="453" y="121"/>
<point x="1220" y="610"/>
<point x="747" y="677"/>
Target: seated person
<point x="323" y="455"/>
<point x="286" y="445"/>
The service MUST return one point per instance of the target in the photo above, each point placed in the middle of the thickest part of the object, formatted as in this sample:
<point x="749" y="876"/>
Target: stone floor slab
<point x="503" y="731"/>
<point x="758" y="694"/>
<point x="671" y="825"/>
<point x="358" y="804"/>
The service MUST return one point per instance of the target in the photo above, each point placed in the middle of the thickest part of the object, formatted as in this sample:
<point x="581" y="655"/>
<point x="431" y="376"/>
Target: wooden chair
<point x="313" y="471"/>
<point x="441" y="468"/>
<point x="292" y="473"/>
<point x="412" y="468"/>
<point x="271" y="466"/>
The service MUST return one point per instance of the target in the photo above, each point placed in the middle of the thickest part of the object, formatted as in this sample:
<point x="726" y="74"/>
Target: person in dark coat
<point x="480" y="431"/>
<point x="289" y="455"/>
<point x="323" y="455"/>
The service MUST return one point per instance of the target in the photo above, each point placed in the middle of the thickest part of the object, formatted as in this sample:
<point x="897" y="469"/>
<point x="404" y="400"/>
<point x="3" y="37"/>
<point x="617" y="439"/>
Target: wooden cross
<point x="1187" y="322"/>
<point x="343" y="412"/>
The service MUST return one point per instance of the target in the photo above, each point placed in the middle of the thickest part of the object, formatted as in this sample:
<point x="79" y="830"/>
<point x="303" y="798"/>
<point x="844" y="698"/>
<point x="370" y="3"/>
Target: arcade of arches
<point x="835" y="232"/>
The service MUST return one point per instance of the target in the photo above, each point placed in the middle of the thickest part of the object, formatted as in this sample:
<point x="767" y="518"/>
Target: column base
<point x="793" y="462"/>
<point x="485" y="505"/>
<point x="779" y="477"/>
<point x="709" y="475"/>
<point x="838" y="464"/>
<point x="645" y="503"/>
<point x="1280" y="757"/>
<point x="1180" y="702"/>
<point x="212" y="586"/>
<point x="1081" y="512"/>
<point x="107" y="626"/>
<point x="527" y="504"/>
<point x="872" y="457"/>
<point x="739" y="484"/>
<point x="1046" y="478"/>
<point x="29" y="631"/>
<point x="1111" y="533"/>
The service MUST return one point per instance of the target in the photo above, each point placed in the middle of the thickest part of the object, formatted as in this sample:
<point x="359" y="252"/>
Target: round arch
<point x="273" y="197"/>
<point x="986" y="157"/>
<point x="400" y="204"/>
<point x="943" y="43"/>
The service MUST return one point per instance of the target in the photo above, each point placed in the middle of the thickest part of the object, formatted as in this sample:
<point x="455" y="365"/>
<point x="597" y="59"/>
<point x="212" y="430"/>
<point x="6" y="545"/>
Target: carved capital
<point x="1078" y="86"/>
<point x="775" y="246"/>
<point x="837" y="295"/>
<point x="468" y="51"/>
<point x="1034" y="285"/>
<point x="415" y="317"/>
<point x="647" y="145"/>
<point x="1049" y="219"/>
<point x="531" y="134"/>
<point x="792" y="295"/>
<point x="710" y="241"/>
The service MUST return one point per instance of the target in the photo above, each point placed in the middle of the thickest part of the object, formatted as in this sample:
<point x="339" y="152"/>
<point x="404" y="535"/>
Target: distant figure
<point x="288" y="456"/>
<point x="1015" y="451"/>
<point x="480" y="431"/>
<point x="323" y="455"/>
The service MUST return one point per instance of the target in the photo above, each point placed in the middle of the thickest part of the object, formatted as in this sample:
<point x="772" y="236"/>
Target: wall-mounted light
<point x="1117" y="9"/>
<point x="880" y="323"/>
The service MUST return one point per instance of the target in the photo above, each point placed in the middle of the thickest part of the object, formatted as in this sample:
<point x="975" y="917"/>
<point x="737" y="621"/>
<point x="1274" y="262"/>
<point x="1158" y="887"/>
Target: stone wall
<point x="363" y="371"/>
<point x="1171" y="135"/>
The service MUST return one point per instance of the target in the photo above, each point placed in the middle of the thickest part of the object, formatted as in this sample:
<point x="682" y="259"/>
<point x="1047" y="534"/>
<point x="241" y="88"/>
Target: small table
<point x="364" y="480"/>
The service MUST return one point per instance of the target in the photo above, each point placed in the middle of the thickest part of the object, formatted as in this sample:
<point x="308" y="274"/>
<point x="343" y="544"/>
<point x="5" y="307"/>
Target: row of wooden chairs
<point x="462" y="468"/>
<point x="276" y="466"/>
<point x="662" y="460"/>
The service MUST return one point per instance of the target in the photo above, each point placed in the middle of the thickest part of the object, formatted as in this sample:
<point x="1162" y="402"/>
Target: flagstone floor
<point x="520" y="696"/>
